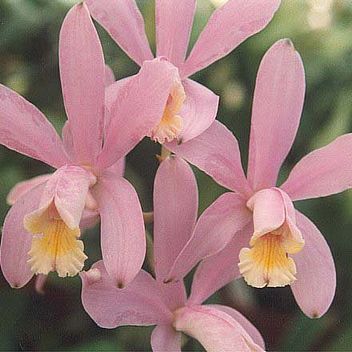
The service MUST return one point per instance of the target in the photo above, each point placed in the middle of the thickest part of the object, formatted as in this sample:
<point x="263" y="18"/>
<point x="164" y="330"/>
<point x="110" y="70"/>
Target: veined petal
<point x="322" y="172"/>
<point x="214" y="230"/>
<point x="173" y="28"/>
<point x="220" y="269"/>
<point x="216" y="152"/>
<point x="245" y="323"/>
<point x="175" y="211"/>
<point x="23" y="187"/>
<point x="140" y="303"/>
<point x="214" y="329"/>
<point x="138" y="107"/>
<point x="199" y="110"/>
<point x="315" y="287"/>
<point x="16" y="241"/>
<point x="123" y="242"/>
<point x="82" y="72"/>
<point x="165" y="338"/>
<point x="26" y="130"/>
<point x="227" y="28"/>
<point x="277" y="108"/>
<point x="124" y="22"/>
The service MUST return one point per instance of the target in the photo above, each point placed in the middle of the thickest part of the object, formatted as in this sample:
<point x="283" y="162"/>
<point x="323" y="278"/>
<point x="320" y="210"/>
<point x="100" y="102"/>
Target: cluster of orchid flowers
<point x="253" y="231"/>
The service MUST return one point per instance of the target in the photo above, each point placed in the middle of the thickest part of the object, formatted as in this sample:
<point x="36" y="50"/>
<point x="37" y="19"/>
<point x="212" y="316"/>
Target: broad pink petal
<point x="124" y="22"/>
<point x="227" y="28"/>
<point x="174" y="294"/>
<point x="67" y="188"/>
<point x="82" y="72"/>
<point x="214" y="230"/>
<point x="220" y="269"/>
<point x="138" y="107"/>
<point x="165" y="339"/>
<point x="140" y="303"/>
<point x="23" y="187"/>
<point x="16" y="241"/>
<point x="322" y="172"/>
<point x="277" y="108"/>
<point x="214" y="329"/>
<point x="26" y="130"/>
<point x="198" y="111"/>
<point x="123" y="241"/>
<point x="245" y="323"/>
<point x="268" y="210"/>
<point x="315" y="287"/>
<point x="175" y="212"/>
<point x="109" y="76"/>
<point x="173" y="28"/>
<point x="216" y="152"/>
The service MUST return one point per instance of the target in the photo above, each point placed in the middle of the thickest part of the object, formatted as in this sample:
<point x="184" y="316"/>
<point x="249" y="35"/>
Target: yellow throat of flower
<point x="267" y="262"/>
<point x="55" y="247"/>
<point x="171" y="124"/>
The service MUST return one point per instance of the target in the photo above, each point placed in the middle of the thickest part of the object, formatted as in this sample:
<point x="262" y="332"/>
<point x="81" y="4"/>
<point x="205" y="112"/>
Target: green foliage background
<point x="322" y="32"/>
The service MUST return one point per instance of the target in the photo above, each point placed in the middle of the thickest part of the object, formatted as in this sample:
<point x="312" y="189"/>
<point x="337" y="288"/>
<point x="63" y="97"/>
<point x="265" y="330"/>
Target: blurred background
<point x="322" y="32"/>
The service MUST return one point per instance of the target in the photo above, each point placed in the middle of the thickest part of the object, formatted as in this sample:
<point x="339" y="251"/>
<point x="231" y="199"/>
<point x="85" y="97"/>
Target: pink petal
<point x="277" y="108"/>
<point x="138" y="304"/>
<point x="123" y="241"/>
<point x="199" y="109"/>
<point x="40" y="282"/>
<point x="109" y="76"/>
<point x="124" y="22"/>
<point x="220" y="269"/>
<point x="23" y="187"/>
<point x="89" y="219"/>
<point x="216" y="152"/>
<point x="244" y="322"/>
<point x="26" y="130"/>
<point x="68" y="139"/>
<point x="139" y="105"/>
<point x="173" y="28"/>
<point x="214" y="230"/>
<point x="322" y="172"/>
<point x="174" y="294"/>
<point x="227" y="28"/>
<point x="315" y="287"/>
<point x="268" y="211"/>
<point x="118" y="168"/>
<point x="165" y="338"/>
<point x="175" y="212"/>
<point x="16" y="241"/>
<point x="82" y="72"/>
<point x="214" y="329"/>
<point x="68" y="188"/>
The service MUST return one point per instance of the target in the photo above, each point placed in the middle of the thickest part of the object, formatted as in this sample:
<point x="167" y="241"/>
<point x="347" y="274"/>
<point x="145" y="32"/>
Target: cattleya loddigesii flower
<point x="42" y="228"/>
<point x="149" y="301"/>
<point x="191" y="107"/>
<point x="257" y="222"/>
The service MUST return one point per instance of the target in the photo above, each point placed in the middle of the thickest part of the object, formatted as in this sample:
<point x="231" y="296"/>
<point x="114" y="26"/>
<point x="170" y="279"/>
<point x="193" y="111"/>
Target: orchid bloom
<point x="191" y="108"/>
<point x="42" y="229"/>
<point x="148" y="301"/>
<point x="276" y="245"/>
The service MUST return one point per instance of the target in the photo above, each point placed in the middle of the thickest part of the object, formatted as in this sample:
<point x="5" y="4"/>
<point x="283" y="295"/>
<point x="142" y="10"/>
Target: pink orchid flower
<point x="276" y="245"/>
<point x="191" y="107"/>
<point x="42" y="229"/>
<point x="148" y="301"/>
